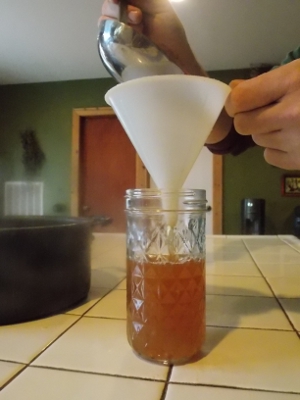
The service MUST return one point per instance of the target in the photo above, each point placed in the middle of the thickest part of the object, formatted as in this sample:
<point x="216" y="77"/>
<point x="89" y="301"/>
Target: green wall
<point x="47" y="109"/>
<point x="248" y="175"/>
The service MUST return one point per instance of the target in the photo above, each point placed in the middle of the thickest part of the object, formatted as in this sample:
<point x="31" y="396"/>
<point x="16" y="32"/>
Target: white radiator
<point x="23" y="198"/>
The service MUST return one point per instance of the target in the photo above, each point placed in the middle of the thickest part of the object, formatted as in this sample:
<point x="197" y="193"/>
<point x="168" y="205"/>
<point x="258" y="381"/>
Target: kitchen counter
<point x="252" y="350"/>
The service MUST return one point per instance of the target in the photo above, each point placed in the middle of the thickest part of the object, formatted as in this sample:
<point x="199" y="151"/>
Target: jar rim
<point x="160" y="200"/>
<point x="199" y="194"/>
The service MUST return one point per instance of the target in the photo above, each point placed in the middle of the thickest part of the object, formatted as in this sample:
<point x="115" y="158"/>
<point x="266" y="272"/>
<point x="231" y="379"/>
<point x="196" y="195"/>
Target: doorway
<point x="104" y="165"/>
<point x="107" y="169"/>
<point x="79" y="203"/>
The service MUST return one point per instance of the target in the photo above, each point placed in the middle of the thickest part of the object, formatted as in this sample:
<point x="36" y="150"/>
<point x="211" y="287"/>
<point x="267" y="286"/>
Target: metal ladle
<point x="128" y="54"/>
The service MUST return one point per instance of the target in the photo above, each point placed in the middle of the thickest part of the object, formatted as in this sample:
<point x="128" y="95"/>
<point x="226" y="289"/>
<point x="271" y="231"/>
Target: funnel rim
<point x="166" y="78"/>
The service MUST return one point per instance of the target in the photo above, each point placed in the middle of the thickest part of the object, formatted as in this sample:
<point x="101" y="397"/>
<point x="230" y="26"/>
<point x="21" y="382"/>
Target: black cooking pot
<point x="44" y="266"/>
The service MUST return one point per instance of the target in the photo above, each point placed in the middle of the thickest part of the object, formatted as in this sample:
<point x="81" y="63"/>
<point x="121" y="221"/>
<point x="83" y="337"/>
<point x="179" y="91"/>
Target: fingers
<point x="264" y="89"/>
<point x="282" y="115"/>
<point x="273" y="140"/>
<point x="268" y="108"/>
<point x="281" y="159"/>
<point x="111" y="9"/>
<point x="235" y="82"/>
<point x="134" y="16"/>
<point x="258" y="121"/>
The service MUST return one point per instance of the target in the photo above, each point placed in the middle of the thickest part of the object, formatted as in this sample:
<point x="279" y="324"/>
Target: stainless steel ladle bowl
<point x="128" y="54"/>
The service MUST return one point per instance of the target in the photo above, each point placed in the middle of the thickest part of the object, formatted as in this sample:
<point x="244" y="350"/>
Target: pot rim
<point x="37" y="222"/>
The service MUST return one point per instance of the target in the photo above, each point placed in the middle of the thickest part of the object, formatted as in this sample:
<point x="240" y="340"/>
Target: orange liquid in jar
<point x="166" y="310"/>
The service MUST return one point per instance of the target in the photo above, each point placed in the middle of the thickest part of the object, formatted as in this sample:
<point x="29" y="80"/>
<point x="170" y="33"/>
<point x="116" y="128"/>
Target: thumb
<point x="235" y="82"/>
<point x="264" y="89"/>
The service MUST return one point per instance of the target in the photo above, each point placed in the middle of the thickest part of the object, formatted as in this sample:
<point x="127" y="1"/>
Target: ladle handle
<point x="123" y="11"/>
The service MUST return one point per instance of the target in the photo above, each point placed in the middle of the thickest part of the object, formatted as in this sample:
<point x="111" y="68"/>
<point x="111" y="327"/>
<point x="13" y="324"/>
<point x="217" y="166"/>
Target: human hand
<point x="268" y="108"/>
<point x="158" y="21"/>
<point x="110" y="9"/>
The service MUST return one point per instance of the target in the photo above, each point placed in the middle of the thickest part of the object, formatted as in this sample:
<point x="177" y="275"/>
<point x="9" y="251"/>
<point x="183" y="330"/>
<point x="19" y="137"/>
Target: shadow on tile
<point x="107" y="277"/>
<point x="95" y="294"/>
<point x="213" y="339"/>
<point x="233" y="291"/>
<point x="247" y="309"/>
<point x="291" y="304"/>
<point x="245" y="302"/>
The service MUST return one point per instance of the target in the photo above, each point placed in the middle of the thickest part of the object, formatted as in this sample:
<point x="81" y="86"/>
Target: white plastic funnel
<point x="168" y="119"/>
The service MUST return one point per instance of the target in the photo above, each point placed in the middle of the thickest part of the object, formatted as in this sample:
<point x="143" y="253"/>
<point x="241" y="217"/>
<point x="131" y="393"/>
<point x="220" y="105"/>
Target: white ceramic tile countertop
<point x="252" y="350"/>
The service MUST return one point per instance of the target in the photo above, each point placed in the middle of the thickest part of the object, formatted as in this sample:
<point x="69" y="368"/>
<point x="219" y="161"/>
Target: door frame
<point x="142" y="178"/>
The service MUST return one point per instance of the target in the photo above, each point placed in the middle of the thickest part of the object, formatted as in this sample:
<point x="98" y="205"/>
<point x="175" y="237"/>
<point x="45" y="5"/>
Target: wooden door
<point x="107" y="169"/>
<point x="142" y="178"/>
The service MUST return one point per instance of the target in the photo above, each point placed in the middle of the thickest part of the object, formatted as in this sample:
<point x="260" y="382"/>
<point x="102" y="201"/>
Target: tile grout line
<point x="222" y="386"/>
<point x="167" y="381"/>
<point x="14" y="376"/>
<point x="80" y="317"/>
<point x="92" y="306"/>
<point x="275" y="297"/>
<point x="120" y="319"/>
<point x="106" y="318"/>
<point x="250" y="328"/>
<point x="290" y="245"/>
<point x="240" y="295"/>
<point x="42" y="351"/>
<point x="79" y="371"/>
<point x="111" y="375"/>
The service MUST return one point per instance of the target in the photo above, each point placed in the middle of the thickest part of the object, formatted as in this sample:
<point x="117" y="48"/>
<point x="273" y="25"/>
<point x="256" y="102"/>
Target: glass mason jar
<point x="166" y="273"/>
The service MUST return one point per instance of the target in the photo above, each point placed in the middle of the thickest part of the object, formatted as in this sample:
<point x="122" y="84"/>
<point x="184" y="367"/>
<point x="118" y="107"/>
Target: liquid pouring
<point x="168" y="119"/>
